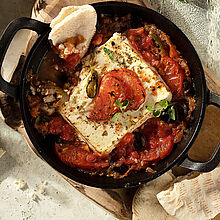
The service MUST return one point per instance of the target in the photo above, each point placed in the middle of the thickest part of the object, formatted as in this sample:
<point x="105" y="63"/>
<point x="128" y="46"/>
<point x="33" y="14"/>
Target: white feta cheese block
<point x="104" y="136"/>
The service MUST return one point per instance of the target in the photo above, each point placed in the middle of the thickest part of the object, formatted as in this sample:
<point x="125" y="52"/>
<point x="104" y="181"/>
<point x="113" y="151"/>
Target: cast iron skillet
<point x="44" y="146"/>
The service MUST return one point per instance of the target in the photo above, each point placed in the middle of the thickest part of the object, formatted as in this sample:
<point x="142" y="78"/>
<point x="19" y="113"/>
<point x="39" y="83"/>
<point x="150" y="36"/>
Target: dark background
<point x="11" y="9"/>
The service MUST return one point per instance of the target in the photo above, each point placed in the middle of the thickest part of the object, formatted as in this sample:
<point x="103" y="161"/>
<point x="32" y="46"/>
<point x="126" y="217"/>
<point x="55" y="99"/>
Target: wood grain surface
<point x="118" y="202"/>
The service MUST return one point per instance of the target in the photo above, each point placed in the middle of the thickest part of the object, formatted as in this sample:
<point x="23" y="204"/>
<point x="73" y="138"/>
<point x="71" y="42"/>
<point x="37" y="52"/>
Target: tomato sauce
<point x="60" y="127"/>
<point x="72" y="60"/>
<point x="71" y="150"/>
<point x="169" y="69"/>
<point x="159" y="141"/>
<point x="75" y="155"/>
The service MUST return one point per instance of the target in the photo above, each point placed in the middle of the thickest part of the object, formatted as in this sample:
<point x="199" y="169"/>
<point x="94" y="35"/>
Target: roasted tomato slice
<point x="139" y="39"/>
<point x="144" y="45"/>
<point x="77" y="156"/>
<point x="104" y="107"/>
<point x="159" y="140"/>
<point x="125" y="153"/>
<point x="121" y="85"/>
<point x="134" y="90"/>
<point x="60" y="127"/>
<point x="71" y="150"/>
<point x="97" y="40"/>
<point x="72" y="60"/>
<point x="173" y="75"/>
<point x="125" y="149"/>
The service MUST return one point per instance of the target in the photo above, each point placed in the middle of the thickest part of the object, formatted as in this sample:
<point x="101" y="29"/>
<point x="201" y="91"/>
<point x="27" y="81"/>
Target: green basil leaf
<point x="157" y="113"/>
<point x="125" y="105"/>
<point x="119" y="104"/>
<point x="115" y="115"/>
<point x="164" y="103"/>
<point x="37" y="120"/>
<point x="171" y="112"/>
<point x="149" y="108"/>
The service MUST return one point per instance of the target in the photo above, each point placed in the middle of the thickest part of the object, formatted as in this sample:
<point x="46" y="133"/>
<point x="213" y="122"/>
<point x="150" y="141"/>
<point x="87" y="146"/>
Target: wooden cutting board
<point x="118" y="202"/>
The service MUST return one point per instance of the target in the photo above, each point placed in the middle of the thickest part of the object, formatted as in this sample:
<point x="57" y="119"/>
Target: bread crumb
<point x="42" y="190"/>
<point x="20" y="183"/>
<point x="44" y="182"/>
<point x="2" y="152"/>
<point x="32" y="196"/>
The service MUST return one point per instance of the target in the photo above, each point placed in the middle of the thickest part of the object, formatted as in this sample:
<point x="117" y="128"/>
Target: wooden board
<point x="118" y="202"/>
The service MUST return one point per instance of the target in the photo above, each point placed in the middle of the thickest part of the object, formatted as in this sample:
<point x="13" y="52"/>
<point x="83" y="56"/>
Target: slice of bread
<point x="145" y="205"/>
<point x="193" y="198"/>
<point x="73" y="21"/>
<point x="64" y="12"/>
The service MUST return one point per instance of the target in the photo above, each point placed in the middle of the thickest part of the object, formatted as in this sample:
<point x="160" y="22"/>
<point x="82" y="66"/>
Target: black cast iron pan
<point x="178" y="156"/>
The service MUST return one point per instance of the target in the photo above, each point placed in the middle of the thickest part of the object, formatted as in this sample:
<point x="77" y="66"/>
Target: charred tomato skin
<point x="122" y="85"/>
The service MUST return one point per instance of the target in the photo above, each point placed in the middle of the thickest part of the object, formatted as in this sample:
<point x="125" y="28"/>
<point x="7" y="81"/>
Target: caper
<point x="92" y="85"/>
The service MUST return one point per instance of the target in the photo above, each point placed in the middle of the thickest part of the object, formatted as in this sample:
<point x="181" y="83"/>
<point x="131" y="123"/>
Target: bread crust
<point x="73" y="21"/>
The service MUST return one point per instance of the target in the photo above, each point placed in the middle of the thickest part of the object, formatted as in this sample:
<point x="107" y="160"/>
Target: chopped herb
<point x="183" y="1"/>
<point x="171" y="112"/>
<point x="119" y="104"/>
<point x="157" y="113"/>
<point x="111" y="57"/>
<point x="164" y="103"/>
<point x="166" y="107"/>
<point x="106" y="50"/>
<point x="122" y="105"/>
<point x="149" y="108"/>
<point x="109" y="53"/>
<point x="115" y="115"/>
<point x="37" y="120"/>
<point x="125" y="105"/>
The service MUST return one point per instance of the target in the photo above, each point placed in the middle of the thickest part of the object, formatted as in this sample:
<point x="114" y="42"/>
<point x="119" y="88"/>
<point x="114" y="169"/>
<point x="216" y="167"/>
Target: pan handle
<point x="212" y="163"/>
<point x="207" y="166"/>
<point x="214" y="99"/>
<point x="6" y="38"/>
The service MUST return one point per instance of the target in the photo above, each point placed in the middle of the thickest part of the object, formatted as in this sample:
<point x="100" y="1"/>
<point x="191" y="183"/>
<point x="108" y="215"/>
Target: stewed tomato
<point x="97" y="40"/>
<point x="72" y="60"/>
<point x="60" y="127"/>
<point x="121" y="85"/>
<point x="173" y="75"/>
<point x="159" y="140"/>
<point x="143" y="43"/>
<point x="81" y="157"/>
<point x="168" y="68"/>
